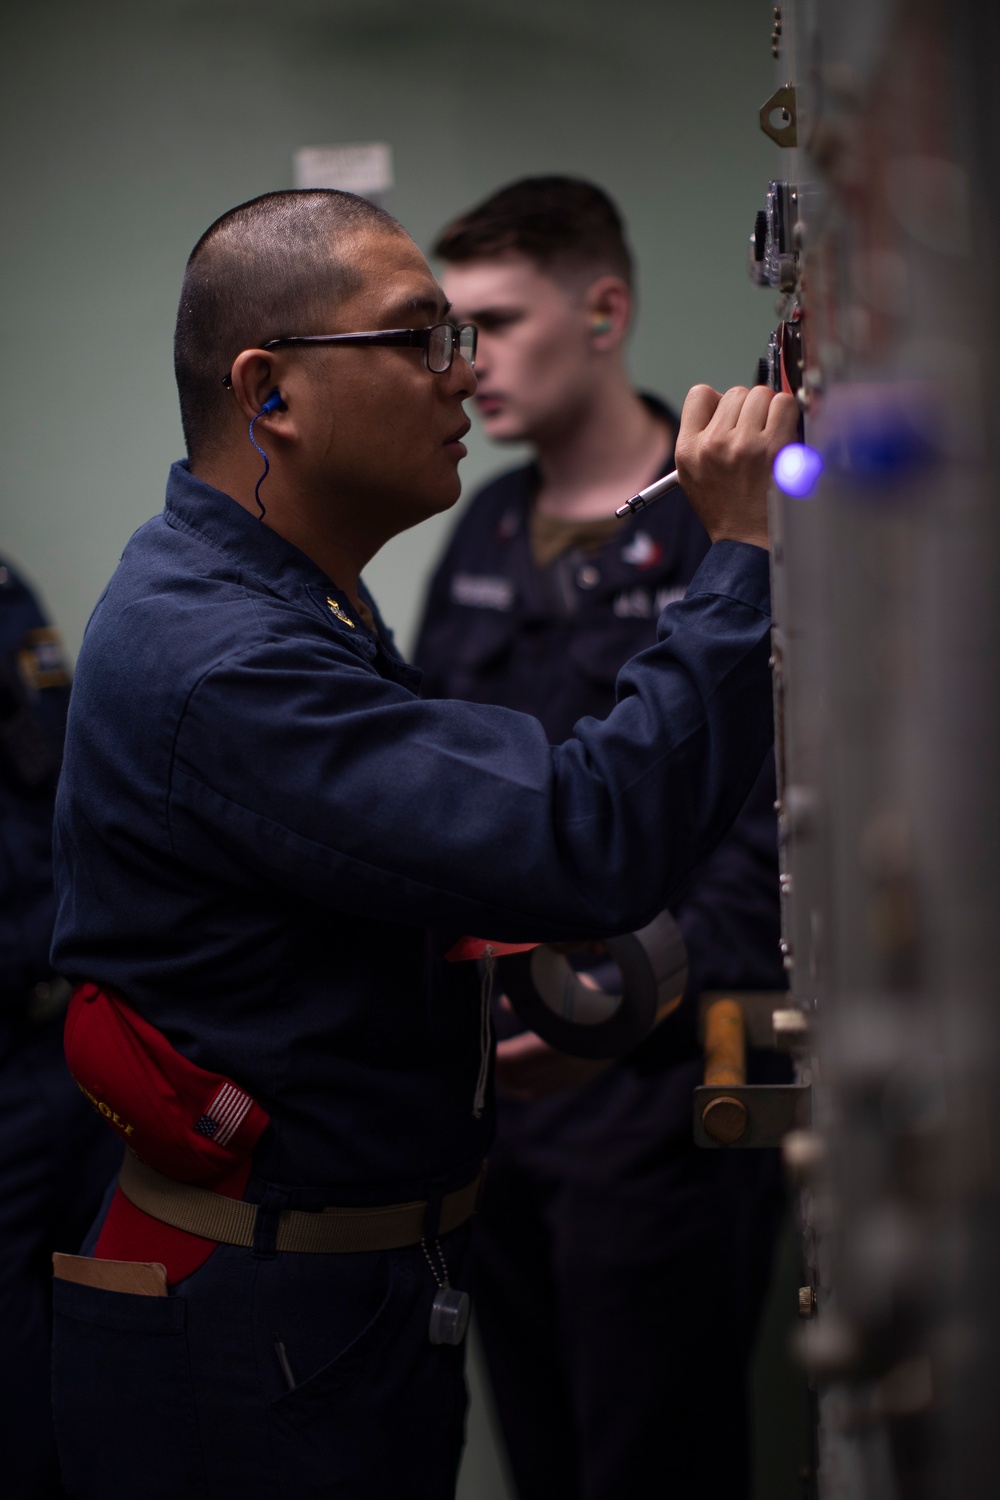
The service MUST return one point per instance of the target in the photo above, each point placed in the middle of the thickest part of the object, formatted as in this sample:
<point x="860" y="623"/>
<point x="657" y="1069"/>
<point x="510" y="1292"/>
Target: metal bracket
<point x="781" y="102"/>
<point x="750" y="1115"/>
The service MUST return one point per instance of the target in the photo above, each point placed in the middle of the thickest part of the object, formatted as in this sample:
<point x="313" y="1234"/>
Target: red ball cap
<point x="184" y="1121"/>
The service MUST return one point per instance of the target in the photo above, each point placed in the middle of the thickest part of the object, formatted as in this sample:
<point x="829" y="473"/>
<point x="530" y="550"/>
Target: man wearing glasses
<point x="269" y="850"/>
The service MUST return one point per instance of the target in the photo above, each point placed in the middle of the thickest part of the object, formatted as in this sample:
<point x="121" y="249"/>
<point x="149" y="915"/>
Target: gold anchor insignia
<point x="339" y="612"/>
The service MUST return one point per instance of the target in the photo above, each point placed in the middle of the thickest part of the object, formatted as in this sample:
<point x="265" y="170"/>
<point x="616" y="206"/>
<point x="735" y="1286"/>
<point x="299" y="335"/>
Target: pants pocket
<point x="376" y="1411"/>
<point x="122" y="1395"/>
<point x="324" y="1420"/>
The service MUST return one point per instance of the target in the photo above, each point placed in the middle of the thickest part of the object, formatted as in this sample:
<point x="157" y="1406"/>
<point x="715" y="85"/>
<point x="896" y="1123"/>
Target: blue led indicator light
<point x="797" y="469"/>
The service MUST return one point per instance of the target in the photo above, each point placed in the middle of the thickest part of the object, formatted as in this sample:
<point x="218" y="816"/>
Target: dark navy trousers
<point x="189" y="1396"/>
<point x="620" y="1276"/>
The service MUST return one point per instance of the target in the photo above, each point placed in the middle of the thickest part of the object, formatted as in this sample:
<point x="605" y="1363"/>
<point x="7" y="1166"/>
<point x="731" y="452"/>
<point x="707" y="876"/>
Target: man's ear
<point x="256" y="384"/>
<point x="608" y="304"/>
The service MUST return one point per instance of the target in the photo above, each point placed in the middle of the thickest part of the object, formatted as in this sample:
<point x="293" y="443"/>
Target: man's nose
<point x="462" y="377"/>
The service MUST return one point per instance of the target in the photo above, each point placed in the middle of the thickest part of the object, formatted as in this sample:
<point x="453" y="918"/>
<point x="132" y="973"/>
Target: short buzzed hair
<point x="566" y="225"/>
<point x="264" y="270"/>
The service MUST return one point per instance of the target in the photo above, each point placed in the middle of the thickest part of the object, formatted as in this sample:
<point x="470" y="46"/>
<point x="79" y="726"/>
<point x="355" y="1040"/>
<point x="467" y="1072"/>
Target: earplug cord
<point x="267" y="465"/>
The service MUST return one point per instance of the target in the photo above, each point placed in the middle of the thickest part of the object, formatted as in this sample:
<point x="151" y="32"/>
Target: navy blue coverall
<point x="56" y="1158"/>
<point x="266" y="841"/>
<point x="619" y="1270"/>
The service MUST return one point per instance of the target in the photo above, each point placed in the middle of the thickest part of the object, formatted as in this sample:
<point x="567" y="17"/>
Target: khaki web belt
<point x="327" y="1232"/>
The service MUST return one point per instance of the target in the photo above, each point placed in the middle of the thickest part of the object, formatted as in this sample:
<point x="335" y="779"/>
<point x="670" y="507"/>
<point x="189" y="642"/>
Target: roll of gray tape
<point x="553" y="1000"/>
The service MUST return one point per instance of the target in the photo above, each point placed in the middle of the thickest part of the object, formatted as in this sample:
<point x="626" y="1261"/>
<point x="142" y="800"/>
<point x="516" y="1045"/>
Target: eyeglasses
<point x="438" y="342"/>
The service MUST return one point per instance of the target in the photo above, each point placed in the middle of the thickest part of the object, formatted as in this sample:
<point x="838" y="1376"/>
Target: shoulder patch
<point x="40" y="660"/>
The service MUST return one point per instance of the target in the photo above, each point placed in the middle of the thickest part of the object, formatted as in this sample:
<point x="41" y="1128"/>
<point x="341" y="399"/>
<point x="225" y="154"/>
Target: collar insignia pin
<point x="339" y="612"/>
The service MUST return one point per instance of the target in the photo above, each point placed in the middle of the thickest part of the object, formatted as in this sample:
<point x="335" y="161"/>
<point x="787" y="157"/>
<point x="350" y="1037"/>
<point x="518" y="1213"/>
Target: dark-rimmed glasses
<point x="438" y="342"/>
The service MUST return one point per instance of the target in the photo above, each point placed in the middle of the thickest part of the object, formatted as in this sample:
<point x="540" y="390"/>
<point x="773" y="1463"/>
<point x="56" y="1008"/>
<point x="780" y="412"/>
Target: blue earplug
<point x="273" y="403"/>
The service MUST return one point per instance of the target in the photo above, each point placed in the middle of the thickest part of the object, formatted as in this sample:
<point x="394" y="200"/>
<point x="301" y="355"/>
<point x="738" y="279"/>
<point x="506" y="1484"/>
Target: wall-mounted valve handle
<point x="724" y="1119"/>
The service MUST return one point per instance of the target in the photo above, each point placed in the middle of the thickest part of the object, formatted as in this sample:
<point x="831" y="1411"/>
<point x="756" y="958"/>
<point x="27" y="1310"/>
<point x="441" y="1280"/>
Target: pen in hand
<point x="648" y="495"/>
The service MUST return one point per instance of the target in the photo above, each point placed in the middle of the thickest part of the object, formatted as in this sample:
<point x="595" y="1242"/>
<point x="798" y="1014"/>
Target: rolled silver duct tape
<point x="551" y="998"/>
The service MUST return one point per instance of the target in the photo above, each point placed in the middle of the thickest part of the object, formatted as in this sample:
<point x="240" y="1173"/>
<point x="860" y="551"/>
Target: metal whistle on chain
<point x="648" y="495"/>
<point x="449" y="1316"/>
<point x="450" y="1309"/>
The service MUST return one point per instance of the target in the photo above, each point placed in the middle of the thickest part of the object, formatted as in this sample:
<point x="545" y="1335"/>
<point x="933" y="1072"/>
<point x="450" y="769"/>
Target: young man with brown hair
<point x="620" y="1271"/>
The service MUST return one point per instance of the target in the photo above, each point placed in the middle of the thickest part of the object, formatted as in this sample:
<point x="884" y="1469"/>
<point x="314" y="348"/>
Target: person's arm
<point x="526" y="1067"/>
<point x="345" y="786"/>
<point x="461" y="815"/>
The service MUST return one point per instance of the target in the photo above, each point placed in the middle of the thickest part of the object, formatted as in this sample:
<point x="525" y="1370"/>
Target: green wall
<point x="128" y="127"/>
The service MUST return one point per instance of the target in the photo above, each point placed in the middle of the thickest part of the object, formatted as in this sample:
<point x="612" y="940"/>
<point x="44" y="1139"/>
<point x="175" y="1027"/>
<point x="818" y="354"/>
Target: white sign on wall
<point x="364" y="169"/>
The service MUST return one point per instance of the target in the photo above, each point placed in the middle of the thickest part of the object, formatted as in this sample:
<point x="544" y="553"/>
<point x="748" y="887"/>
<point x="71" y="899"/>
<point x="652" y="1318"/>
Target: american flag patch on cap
<point x="225" y="1114"/>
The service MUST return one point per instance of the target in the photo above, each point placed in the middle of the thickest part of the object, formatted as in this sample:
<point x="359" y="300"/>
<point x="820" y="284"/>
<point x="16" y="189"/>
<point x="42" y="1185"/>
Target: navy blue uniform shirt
<point x="550" y="641"/>
<point x="266" y="841"/>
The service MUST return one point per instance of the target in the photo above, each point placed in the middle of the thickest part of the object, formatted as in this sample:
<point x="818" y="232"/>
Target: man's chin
<point x="503" y="428"/>
<point x="437" y="502"/>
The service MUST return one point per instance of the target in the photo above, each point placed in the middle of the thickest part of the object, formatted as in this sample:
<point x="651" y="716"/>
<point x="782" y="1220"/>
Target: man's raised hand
<point x="725" y="449"/>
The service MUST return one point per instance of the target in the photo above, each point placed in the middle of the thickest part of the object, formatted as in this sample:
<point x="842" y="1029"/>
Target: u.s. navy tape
<point x="553" y="1000"/>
